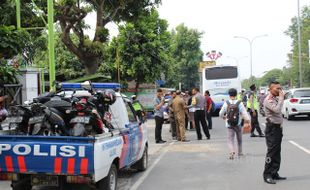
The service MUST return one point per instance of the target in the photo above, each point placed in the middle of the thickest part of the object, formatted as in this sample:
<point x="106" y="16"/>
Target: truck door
<point x="135" y="133"/>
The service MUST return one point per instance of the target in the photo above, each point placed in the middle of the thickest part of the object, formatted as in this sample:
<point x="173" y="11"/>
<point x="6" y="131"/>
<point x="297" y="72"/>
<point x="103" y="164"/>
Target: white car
<point x="297" y="102"/>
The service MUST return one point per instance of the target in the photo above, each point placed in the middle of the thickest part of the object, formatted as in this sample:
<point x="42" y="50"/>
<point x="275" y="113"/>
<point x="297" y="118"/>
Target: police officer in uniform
<point x="273" y="105"/>
<point x="138" y="107"/>
<point x="252" y="106"/>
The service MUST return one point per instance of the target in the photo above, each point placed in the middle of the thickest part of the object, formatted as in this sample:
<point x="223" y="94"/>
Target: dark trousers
<point x="209" y="119"/>
<point x="159" y="121"/>
<point x="255" y="123"/>
<point x="186" y="121"/>
<point x="173" y="127"/>
<point x="274" y="136"/>
<point x="200" y="117"/>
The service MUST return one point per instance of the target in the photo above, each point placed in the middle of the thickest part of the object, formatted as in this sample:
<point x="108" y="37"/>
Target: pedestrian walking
<point x="171" y="116"/>
<point x="233" y="111"/>
<point x="199" y="103"/>
<point x="273" y="104"/>
<point x="209" y="107"/>
<point x="252" y="106"/>
<point x="159" y="115"/>
<point x="179" y="107"/>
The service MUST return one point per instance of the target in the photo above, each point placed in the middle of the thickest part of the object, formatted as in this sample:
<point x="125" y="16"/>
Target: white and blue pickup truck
<point x="30" y="161"/>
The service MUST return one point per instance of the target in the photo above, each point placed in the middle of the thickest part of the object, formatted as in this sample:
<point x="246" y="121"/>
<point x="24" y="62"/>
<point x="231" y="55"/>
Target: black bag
<point x="233" y="113"/>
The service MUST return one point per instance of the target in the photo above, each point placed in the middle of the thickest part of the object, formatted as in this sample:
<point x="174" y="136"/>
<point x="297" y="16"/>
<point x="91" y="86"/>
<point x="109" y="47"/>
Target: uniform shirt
<point x="199" y="102"/>
<point x="171" y="113"/>
<point x="242" y="112"/>
<point x="273" y="107"/>
<point x="158" y="112"/>
<point x="178" y="106"/>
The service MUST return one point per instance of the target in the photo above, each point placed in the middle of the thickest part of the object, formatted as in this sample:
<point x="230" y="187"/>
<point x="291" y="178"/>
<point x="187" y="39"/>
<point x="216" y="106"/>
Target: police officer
<point x="252" y="106"/>
<point x="138" y="107"/>
<point x="273" y="105"/>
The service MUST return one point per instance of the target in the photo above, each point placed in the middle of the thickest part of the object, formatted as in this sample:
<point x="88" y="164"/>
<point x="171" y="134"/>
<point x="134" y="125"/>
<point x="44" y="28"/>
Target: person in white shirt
<point x="233" y="111"/>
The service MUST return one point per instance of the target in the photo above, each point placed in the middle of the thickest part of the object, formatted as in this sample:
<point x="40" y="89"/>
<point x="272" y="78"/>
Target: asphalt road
<point x="204" y="165"/>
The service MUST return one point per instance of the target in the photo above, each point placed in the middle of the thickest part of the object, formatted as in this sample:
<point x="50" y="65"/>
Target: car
<point x="296" y="102"/>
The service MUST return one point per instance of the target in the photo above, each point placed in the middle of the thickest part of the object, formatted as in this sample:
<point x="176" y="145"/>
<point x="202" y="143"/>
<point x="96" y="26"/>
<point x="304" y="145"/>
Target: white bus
<point x="218" y="79"/>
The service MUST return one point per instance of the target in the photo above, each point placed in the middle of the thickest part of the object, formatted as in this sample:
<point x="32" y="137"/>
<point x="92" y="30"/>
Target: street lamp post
<point x="251" y="52"/>
<point x="237" y="59"/>
<point x="299" y="45"/>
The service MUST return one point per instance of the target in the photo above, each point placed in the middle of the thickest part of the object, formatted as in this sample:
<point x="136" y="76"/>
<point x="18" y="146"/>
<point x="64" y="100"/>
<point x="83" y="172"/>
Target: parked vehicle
<point x="297" y="102"/>
<point x="17" y="121"/>
<point x="46" y="121"/>
<point x="95" y="160"/>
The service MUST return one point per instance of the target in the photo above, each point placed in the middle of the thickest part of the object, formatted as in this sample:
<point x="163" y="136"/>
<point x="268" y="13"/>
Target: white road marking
<point x="300" y="147"/>
<point x="148" y="171"/>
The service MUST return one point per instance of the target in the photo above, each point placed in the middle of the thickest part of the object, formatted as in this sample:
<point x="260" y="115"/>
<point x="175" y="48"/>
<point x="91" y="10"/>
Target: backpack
<point x="233" y="113"/>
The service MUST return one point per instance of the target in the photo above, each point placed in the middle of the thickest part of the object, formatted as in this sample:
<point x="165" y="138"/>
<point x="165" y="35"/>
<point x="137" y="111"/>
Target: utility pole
<point x="51" y="47"/>
<point x="299" y="46"/>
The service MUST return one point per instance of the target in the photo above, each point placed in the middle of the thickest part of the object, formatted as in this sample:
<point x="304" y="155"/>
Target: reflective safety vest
<point x="136" y="106"/>
<point x="255" y="102"/>
<point x="239" y="97"/>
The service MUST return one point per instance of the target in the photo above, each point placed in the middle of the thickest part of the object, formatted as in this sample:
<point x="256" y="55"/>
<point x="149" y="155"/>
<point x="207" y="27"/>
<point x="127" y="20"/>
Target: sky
<point x="221" y="20"/>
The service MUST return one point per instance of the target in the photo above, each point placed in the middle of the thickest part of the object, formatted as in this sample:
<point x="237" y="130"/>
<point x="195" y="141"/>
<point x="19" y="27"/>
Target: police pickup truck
<point x="30" y="161"/>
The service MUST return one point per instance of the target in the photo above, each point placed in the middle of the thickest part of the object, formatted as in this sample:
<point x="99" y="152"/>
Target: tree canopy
<point x="71" y="16"/>
<point x="187" y="54"/>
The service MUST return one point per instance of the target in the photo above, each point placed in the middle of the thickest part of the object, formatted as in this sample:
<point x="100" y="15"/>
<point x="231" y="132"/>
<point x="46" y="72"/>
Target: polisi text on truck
<point x="37" y="150"/>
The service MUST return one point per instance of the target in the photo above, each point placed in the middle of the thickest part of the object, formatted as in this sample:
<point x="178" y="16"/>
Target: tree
<point x="305" y="36"/>
<point x="187" y="55"/>
<point x="67" y="64"/>
<point x="142" y="48"/>
<point x="272" y="75"/>
<point x="71" y="15"/>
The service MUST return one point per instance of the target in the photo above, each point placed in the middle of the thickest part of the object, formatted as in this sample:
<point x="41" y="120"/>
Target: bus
<point x="218" y="79"/>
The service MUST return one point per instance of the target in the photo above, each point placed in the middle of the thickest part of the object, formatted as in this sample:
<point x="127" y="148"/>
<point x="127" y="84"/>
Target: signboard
<point x="203" y="64"/>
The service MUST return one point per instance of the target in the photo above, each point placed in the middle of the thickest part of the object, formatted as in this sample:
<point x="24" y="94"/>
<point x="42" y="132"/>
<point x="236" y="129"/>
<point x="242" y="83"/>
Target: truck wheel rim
<point x="112" y="181"/>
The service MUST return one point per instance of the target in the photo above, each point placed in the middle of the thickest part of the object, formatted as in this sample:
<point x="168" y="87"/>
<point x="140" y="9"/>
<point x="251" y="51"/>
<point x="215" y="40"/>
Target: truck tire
<point x="25" y="186"/>
<point x="109" y="182"/>
<point x="141" y="165"/>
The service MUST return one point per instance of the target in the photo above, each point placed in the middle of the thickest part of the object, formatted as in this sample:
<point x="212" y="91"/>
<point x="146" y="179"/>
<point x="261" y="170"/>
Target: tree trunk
<point x="91" y="66"/>
<point x="137" y="87"/>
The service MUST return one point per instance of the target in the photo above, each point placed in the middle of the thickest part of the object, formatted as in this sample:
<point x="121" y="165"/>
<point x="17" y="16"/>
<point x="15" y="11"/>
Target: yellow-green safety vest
<point x="136" y="106"/>
<point x="255" y="102"/>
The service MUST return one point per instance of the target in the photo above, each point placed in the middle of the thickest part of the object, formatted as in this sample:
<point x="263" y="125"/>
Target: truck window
<point x="131" y="115"/>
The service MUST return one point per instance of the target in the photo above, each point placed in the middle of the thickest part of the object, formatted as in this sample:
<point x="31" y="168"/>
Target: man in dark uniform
<point x="252" y="106"/>
<point x="274" y="133"/>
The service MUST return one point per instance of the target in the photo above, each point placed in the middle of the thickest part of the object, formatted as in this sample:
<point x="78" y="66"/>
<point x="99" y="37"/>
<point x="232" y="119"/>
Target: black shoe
<point x="261" y="135"/>
<point x="199" y="139"/>
<point x="208" y="138"/>
<point x="253" y="135"/>
<point x="160" y="142"/>
<point x="279" y="178"/>
<point x="269" y="180"/>
<point x="210" y="128"/>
